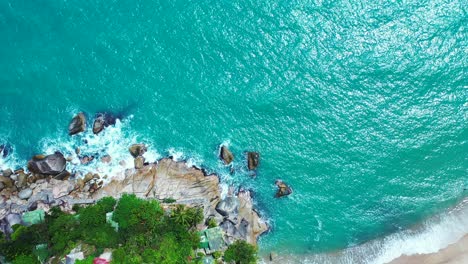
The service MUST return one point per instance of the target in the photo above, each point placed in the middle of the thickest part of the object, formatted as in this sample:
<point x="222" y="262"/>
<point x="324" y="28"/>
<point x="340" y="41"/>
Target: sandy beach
<point x="456" y="253"/>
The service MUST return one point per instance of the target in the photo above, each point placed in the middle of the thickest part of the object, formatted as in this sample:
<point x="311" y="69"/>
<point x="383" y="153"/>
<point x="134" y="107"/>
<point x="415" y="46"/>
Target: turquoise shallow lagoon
<point x="361" y="106"/>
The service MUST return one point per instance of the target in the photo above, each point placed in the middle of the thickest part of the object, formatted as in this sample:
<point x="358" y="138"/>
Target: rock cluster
<point x="102" y="121"/>
<point x="240" y="220"/>
<point x="137" y="151"/>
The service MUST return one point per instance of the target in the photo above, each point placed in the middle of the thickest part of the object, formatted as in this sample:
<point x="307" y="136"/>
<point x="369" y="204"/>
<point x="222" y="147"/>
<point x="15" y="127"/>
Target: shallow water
<point x="360" y="106"/>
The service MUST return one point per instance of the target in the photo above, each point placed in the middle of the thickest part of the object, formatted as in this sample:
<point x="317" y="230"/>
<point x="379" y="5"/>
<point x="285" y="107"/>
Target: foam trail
<point x="432" y="235"/>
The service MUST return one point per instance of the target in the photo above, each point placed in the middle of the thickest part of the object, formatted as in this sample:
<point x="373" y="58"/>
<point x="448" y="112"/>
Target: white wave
<point x="432" y="235"/>
<point x="9" y="162"/>
<point x="113" y="141"/>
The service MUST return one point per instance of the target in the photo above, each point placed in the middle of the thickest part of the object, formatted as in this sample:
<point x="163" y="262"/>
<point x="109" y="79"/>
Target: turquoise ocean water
<point x="361" y="106"/>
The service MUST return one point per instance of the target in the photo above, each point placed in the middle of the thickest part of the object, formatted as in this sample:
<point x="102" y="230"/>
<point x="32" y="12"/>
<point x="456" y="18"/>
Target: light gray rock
<point x="63" y="189"/>
<point x="228" y="206"/>
<point x="25" y="194"/>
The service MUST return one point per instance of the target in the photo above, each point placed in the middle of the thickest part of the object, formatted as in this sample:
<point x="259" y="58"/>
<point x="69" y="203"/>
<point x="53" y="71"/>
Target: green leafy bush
<point x="241" y="252"/>
<point x="26" y="259"/>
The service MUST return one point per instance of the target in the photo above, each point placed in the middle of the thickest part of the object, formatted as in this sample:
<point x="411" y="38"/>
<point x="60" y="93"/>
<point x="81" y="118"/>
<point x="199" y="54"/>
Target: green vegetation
<point x="146" y="233"/>
<point x="212" y="223"/>
<point x="241" y="252"/>
<point x="169" y="200"/>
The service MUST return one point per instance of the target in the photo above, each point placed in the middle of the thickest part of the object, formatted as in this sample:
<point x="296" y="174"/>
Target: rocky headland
<point x="46" y="183"/>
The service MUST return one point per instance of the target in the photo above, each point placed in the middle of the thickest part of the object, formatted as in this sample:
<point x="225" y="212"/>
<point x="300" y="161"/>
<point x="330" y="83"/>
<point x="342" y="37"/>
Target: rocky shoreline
<point x="164" y="180"/>
<point x="46" y="183"/>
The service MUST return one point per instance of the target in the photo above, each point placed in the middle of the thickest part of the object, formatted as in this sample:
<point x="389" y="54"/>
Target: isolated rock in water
<point x="139" y="162"/>
<point x="226" y="155"/>
<point x="98" y="124"/>
<point x="25" y="194"/>
<point x="253" y="160"/>
<point x="137" y="150"/>
<point x="283" y="189"/>
<point x="50" y="165"/>
<point x="102" y="121"/>
<point x="77" y="124"/>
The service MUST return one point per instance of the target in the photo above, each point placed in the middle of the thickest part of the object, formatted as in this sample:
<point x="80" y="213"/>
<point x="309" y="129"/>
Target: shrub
<point x="26" y="259"/>
<point x="169" y="200"/>
<point x="212" y="223"/>
<point x="241" y="252"/>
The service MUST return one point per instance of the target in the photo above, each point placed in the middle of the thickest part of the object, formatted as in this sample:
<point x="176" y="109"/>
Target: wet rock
<point x="102" y="121"/>
<point x="106" y="159"/>
<point x="25" y="194"/>
<point x="283" y="189"/>
<point x="7" y="173"/>
<point x="77" y="124"/>
<point x="137" y="150"/>
<point x="2" y="186"/>
<point x="49" y="165"/>
<point x="139" y="162"/>
<point x="226" y="155"/>
<point x="5" y="150"/>
<point x="98" y="124"/>
<point x="253" y="160"/>
<point x="86" y="159"/>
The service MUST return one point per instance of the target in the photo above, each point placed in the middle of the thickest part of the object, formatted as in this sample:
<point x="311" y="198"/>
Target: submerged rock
<point x="106" y="159"/>
<point x="49" y="165"/>
<point x="226" y="155"/>
<point x="5" y="150"/>
<point x="102" y="121"/>
<point x="77" y="124"/>
<point x="283" y="189"/>
<point x="137" y="150"/>
<point x="253" y="160"/>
